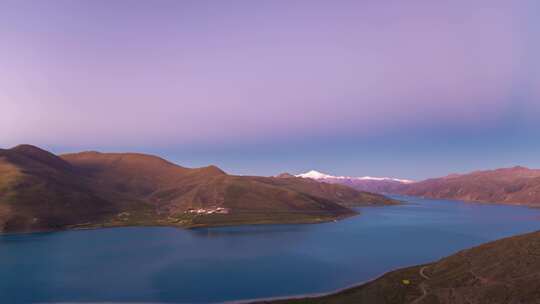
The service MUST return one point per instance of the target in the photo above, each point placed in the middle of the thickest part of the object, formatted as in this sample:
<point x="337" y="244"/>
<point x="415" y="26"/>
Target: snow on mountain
<point x="316" y="175"/>
<point x="313" y="174"/>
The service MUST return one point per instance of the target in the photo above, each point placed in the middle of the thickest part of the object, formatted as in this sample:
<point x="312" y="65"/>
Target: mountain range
<point x="43" y="191"/>
<point x="364" y="183"/>
<point x="517" y="185"/>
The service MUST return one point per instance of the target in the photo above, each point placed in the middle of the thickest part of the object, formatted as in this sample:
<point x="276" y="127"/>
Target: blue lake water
<point x="232" y="263"/>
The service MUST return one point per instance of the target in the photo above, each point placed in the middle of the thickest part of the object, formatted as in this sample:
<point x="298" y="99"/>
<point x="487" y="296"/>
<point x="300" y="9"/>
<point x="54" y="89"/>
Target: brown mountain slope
<point x="517" y="185"/>
<point x="40" y="191"/>
<point x="505" y="271"/>
<point x="176" y="190"/>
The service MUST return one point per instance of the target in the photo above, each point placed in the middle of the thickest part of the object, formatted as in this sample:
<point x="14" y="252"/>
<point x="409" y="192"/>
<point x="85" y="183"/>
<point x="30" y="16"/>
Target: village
<point x="215" y="210"/>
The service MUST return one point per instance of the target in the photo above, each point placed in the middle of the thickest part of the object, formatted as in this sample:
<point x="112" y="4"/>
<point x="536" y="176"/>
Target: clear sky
<point x="410" y="89"/>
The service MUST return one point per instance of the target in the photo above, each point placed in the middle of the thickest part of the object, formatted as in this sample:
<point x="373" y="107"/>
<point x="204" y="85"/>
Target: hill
<point x="517" y="185"/>
<point x="505" y="271"/>
<point x="42" y="191"/>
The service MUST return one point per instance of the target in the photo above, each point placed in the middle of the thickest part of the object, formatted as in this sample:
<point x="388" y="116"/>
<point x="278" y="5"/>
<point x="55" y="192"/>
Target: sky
<point x="409" y="89"/>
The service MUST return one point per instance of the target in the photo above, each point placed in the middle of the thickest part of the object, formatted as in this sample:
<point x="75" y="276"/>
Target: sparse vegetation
<point x="41" y="191"/>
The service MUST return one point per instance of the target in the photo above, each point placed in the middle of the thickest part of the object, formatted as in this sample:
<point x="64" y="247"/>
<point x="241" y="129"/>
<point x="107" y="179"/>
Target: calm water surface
<point x="223" y="264"/>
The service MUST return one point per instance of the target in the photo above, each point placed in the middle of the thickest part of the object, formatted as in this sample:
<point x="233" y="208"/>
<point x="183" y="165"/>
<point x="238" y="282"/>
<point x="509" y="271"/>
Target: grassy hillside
<point x="505" y="271"/>
<point x="175" y="190"/>
<point x="41" y="191"/>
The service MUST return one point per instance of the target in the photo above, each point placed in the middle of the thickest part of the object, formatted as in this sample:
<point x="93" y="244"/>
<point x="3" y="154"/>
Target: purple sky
<point x="402" y="88"/>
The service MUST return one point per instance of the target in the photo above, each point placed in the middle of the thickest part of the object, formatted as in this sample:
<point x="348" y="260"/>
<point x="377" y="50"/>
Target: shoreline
<point x="307" y="296"/>
<point x="401" y="199"/>
<point x="515" y="204"/>
<point x="361" y="286"/>
<point x="184" y="227"/>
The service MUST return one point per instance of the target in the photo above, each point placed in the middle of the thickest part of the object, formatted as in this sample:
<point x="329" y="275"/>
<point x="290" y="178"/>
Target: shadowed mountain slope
<point x="41" y="191"/>
<point x="506" y="271"/>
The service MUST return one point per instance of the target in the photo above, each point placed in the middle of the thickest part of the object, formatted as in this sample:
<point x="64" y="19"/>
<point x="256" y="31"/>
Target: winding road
<point x="422" y="286"/>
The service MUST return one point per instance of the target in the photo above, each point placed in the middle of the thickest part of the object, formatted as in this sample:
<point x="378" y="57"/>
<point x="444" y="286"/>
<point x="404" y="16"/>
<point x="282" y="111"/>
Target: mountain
<point x="505" y="271"/>
<point x="343" y="194"/>
<point x="365" y="183"/>
<point x="516" y="185"/>
<point x="43" y="191"/>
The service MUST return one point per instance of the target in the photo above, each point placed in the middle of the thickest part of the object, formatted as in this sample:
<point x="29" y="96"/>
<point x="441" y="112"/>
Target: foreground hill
<point x="517" y="185"/>
<point x="364" y="183"/>
<point x="502" y="272"/>
<point x="42" y="191"/>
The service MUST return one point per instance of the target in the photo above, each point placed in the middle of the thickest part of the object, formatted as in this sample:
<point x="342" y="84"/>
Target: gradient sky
<point x="410" y="89"/>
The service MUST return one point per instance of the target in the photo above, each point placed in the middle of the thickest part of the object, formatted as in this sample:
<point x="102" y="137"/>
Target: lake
<point x="143" y="264"/>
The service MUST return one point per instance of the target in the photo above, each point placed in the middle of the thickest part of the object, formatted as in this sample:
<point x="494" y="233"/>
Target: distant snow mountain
<point x="363" y="183"/>
<point x="516" y="185"/>
<point x="319" y="175"/>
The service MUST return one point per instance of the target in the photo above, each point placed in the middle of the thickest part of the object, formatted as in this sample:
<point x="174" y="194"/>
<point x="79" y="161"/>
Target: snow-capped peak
<point x="313" y="174"/>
